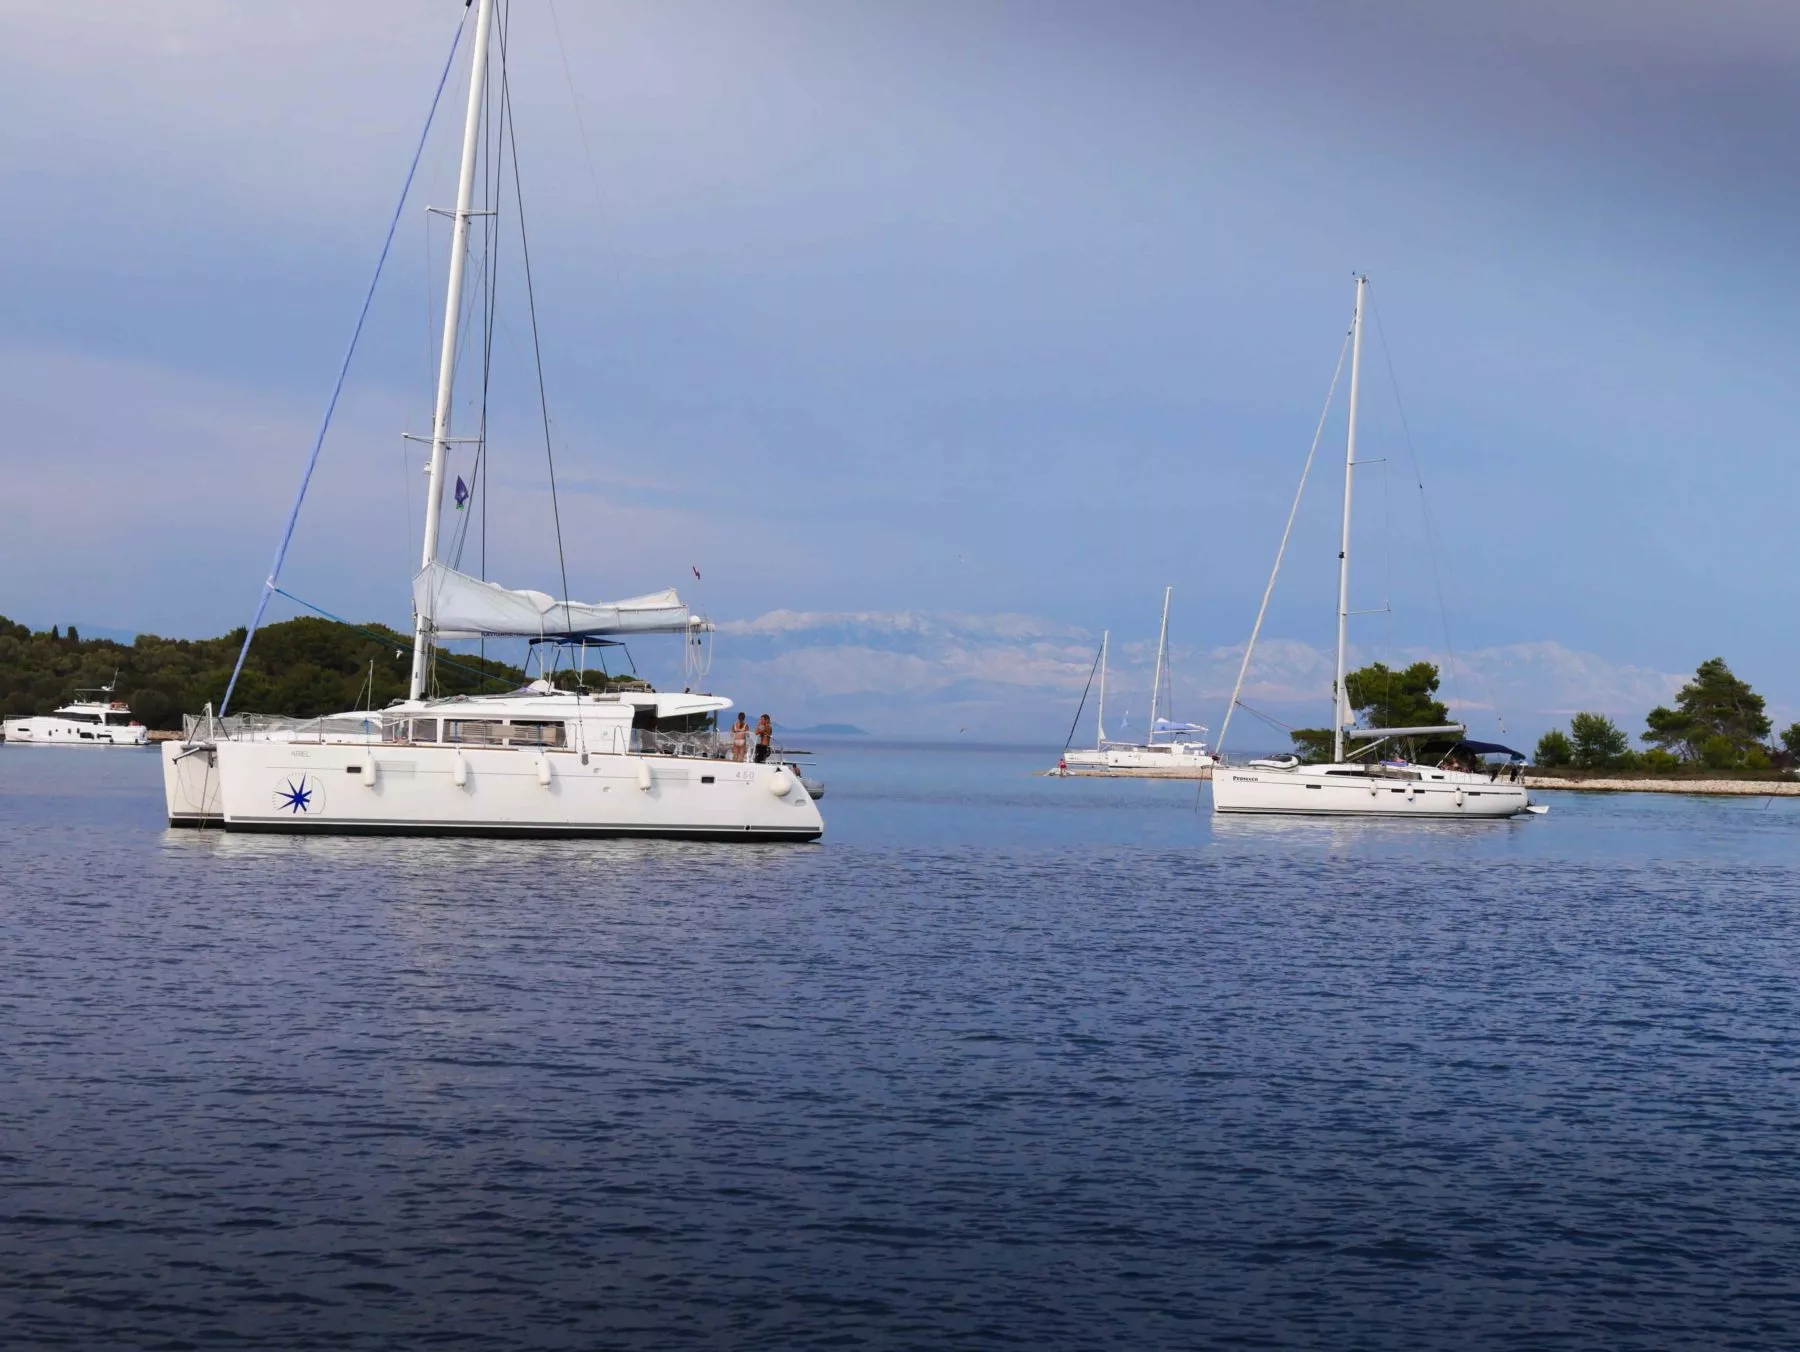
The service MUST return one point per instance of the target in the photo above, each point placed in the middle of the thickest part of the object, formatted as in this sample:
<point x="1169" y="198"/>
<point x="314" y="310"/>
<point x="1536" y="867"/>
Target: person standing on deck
<point x="740" y="738"/>
<point x="765" y="733"/>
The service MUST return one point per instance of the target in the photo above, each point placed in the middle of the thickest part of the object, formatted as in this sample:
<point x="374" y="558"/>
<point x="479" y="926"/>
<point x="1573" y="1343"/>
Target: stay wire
<point x="1430" y="528"/>
<point x="537" y="352"/>
<point x="337" y="389"/>
<point x="1069" y="741"/>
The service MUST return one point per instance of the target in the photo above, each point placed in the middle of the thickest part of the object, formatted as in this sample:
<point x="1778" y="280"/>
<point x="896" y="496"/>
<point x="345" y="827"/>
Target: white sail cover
<point x="455" y="605"/>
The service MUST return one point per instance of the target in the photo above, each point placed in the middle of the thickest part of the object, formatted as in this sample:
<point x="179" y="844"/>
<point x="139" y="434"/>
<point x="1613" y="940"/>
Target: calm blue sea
<point x="1006" y="1061"/>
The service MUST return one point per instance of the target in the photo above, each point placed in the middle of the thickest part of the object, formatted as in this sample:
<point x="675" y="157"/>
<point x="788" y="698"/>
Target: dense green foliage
<point x="1717" y="724"/>
<point x="1598" y="743"/>
<point x="1382" y="698"/>
<point x="1554" y="750"/>
<point x="1718" y="721"/>
<point x="304" y="667"/>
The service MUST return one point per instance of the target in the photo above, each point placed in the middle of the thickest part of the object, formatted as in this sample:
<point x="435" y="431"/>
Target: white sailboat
<point x="538" y="761"/>
<point x="1172" y="748"/>
<point x="1358" y="786"/>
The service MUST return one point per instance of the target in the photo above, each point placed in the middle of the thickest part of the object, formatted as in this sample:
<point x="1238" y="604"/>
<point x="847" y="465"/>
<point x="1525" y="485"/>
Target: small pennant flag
<point x="462" y="493"/>
<point x="696" y="572"/>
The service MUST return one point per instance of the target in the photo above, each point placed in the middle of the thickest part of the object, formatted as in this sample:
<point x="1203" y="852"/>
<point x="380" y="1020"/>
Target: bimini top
<point x="455" y="605"/>
<point x="1486" y="749"/>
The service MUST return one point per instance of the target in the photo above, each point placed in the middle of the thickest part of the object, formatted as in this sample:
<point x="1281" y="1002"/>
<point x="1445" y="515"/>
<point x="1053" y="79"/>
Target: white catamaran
<point x="1172" y="748"/>
<point x="1357" y="786"/>
<point x="539" y="761"/>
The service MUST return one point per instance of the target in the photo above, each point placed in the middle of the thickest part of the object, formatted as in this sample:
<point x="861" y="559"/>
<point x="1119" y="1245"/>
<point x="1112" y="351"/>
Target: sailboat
<point x="1171" y="749"/>
<point x="538" y="761"/>
<point x="1357" y="785"/>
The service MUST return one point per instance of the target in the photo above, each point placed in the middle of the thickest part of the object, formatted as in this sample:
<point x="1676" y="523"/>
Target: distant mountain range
<point x="827" y="730"/>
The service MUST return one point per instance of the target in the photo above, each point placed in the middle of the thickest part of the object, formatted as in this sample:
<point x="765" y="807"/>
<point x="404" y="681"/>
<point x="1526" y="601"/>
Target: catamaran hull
<point x="191" y="785"/>
<point x="1298" y="793"/>
<point x="336" y="789"/>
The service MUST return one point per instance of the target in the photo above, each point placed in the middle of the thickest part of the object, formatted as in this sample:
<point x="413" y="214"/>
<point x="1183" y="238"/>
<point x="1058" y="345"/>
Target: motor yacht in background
<point x="93" y="721"/>
<point x="1359" y="786"/>
<point x="537" y="761"/>
<point x="1172" y="750"/>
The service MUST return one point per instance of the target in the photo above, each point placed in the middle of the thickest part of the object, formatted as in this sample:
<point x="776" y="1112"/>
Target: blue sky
<point x="942" y="336"/>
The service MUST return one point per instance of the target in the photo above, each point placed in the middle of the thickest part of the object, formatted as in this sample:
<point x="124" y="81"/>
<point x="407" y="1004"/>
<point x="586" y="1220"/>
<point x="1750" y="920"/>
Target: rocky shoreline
<point x="1743" y="788"/>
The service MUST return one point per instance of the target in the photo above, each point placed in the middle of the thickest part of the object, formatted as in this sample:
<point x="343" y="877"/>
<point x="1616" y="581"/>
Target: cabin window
<point x="81" y="718"/>
<point x="424" y="729"/>
<point x="476" y="731"/>
<point x="538" y="734"/>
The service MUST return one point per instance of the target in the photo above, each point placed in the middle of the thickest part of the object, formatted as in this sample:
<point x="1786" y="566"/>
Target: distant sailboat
<point x="1356" y="786"/>
<point x="1171" y="748"/>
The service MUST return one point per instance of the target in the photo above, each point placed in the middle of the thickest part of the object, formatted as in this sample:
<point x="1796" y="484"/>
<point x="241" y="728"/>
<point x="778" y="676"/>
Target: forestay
<point x="454" y="605"/>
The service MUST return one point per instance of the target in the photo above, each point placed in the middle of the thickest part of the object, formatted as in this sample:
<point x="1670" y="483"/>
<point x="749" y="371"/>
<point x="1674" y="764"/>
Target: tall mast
<point x="1341" y="705"/>
<point x="440" y="417"/>
<point x="1100" y="717"/>
<point x="1162" y="644"/>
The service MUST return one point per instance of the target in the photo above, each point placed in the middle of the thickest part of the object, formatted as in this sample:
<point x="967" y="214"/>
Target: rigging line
<point x="1425" y="512"/>
<point x="392" y="640"/>
<point x="1280" y="553"/>
<point x="1069" y="741"/>
<point x="1267" y="718"/>
<point x="511" y="127"/>
<point x="575" y="102"/>
<point x="337" y="388"/>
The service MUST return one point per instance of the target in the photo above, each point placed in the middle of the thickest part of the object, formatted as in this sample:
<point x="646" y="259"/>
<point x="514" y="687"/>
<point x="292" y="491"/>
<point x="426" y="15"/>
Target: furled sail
<point x="455" y="605"/>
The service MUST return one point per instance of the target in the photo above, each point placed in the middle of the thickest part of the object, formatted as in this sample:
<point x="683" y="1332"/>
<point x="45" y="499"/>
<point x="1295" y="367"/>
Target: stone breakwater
<point x="1747" y="788"/>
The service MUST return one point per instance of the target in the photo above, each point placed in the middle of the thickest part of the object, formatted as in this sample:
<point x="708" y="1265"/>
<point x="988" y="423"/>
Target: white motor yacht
<point x="99" y="720"/>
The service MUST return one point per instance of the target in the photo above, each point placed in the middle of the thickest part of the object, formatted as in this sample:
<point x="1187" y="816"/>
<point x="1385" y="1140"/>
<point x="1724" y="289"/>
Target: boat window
<point x="476" y="730"/>
<point x="537" y="734"/>
<point x="74" y="717"/>
<point x="118" y="719"/>
<point x="424" y="729"/>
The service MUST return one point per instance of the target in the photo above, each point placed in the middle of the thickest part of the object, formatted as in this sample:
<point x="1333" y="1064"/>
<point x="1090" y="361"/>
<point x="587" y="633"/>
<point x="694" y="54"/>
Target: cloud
<point x="1021" y="676"/>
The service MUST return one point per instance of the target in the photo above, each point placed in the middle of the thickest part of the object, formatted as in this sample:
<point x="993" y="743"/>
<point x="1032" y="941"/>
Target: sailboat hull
<point x="349" y="789"/>
<point x="1356" y="791"/>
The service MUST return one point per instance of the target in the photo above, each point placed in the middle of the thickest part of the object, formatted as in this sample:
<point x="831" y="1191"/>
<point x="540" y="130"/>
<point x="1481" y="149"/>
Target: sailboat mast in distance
<point x="1340" y="708"/>
<point x="1100" y="714"/>
<point x="1162" y="643"/>
<point x="440" y="416"/>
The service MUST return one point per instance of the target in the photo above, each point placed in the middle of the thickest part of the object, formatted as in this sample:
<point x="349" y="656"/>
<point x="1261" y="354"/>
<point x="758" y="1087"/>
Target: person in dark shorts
<point x="765" y="733"/>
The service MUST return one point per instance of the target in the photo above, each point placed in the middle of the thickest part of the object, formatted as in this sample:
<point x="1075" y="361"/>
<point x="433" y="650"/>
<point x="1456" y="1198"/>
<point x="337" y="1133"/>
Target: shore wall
<point x="1744" y="788"/>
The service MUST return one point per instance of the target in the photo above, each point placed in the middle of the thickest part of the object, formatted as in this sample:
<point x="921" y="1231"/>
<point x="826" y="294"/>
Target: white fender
<point x="543" y="769"/>
<point x="644" y="777"/>
<point x="1374" y="788"/>
<point x="368" y="772"/>
<point x="1459" y="795"/>
<point x="781" y="783"/>
<point x="459" y="770"/>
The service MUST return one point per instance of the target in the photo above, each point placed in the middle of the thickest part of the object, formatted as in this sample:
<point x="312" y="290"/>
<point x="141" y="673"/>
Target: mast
<point x="1162" y="644"/>
<point x="1341" y="704"/>
<point x="1100" y="717"/>
<point x="440" y="418"/>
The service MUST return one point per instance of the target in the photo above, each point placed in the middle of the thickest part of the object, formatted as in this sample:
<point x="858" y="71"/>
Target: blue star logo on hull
<point x="298" y="795"/>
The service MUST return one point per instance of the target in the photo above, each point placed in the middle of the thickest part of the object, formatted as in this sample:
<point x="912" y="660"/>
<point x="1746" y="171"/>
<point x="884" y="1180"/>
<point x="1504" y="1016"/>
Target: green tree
<point x="1599" y="743"/>
<point x="1717" y="718"/>
<point x="1790" y="742"/>
<point x="1382" y="698"/>
<point x="1554" y="750"/>
<point x="303" y="667"/>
